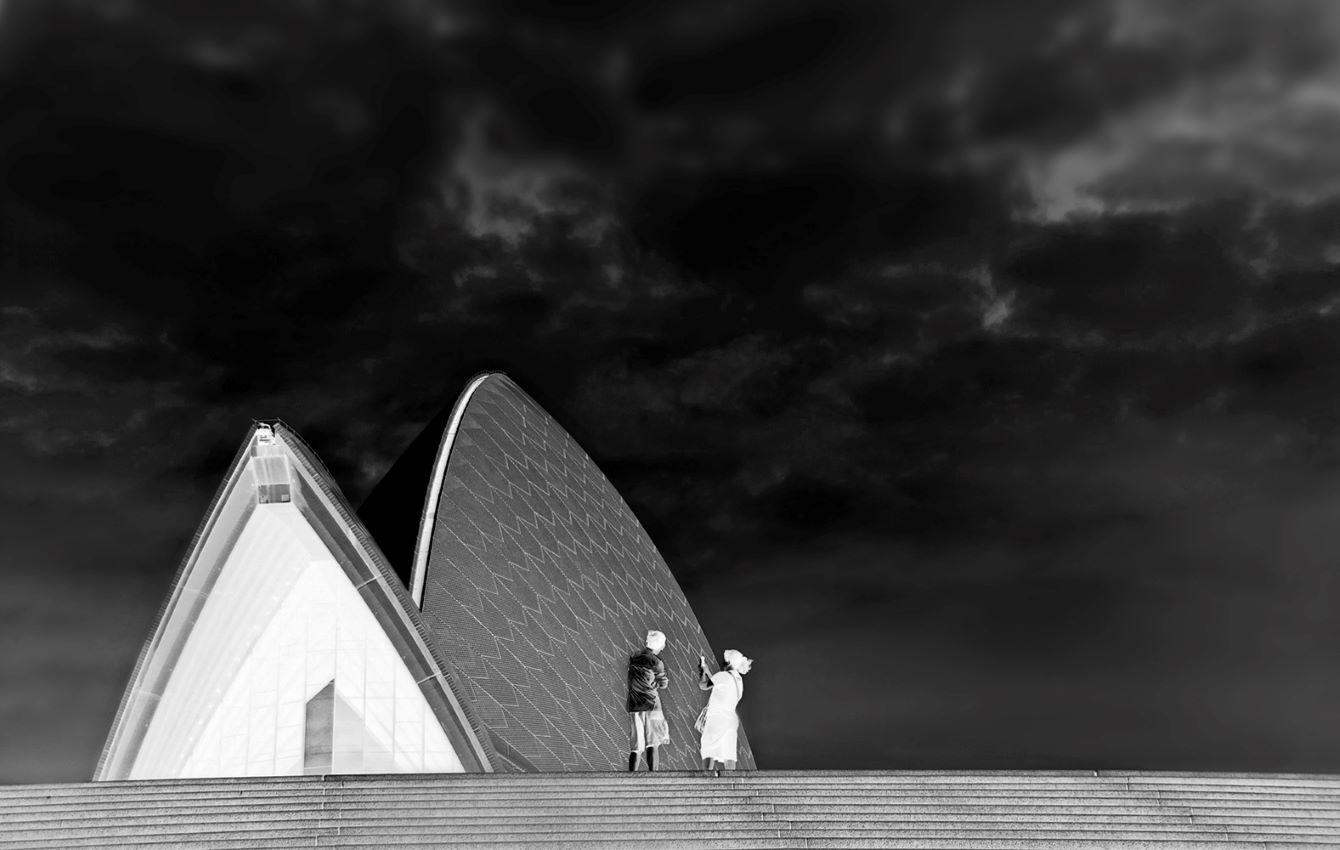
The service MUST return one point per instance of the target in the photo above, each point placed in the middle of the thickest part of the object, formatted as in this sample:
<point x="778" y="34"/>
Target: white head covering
<point x="655" y="641"/>
<point x="737" y="661"/>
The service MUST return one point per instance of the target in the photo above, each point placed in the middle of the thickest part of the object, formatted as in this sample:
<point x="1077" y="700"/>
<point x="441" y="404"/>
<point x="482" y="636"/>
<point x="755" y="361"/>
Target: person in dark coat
<point x="646" y="678"/>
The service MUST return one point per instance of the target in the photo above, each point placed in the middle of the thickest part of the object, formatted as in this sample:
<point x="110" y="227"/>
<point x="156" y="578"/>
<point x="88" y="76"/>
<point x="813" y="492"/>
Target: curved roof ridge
<point x="427" y="517"/>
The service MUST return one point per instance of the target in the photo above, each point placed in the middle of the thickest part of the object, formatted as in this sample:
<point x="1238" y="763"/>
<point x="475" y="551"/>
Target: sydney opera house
<point x="495" y="639"/>
<point x="446" y="668"/>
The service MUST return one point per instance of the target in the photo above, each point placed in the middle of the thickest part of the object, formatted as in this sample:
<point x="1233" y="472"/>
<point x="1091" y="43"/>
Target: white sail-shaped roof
<point x="287" y="645"/>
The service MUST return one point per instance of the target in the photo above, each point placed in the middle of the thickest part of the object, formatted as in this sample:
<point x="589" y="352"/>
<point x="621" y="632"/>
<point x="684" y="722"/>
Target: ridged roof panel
<point x="538" y="582"/>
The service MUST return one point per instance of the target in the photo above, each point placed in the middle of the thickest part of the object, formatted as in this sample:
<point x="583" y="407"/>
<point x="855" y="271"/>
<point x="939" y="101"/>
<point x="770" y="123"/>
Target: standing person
<point x="721" y="724"/>
<point x="646" y="677"/>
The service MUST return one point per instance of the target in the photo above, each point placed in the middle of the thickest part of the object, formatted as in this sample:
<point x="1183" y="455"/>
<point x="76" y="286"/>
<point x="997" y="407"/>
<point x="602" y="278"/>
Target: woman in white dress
<point x="720" y="722"/>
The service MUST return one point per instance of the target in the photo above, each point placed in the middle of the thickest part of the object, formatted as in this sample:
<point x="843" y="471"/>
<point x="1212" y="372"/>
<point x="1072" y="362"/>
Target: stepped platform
<point x="754" y="809"/>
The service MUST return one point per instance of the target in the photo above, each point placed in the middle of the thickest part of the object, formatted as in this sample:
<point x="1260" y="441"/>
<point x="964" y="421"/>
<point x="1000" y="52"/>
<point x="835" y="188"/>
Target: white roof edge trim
<point x="116" y="748"/>
<point x="419" y="573"/>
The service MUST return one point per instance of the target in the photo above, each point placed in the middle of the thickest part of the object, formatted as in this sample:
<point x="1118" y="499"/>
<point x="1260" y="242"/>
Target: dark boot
<point x="651" y="758"/>
<point x="632" y="762"/>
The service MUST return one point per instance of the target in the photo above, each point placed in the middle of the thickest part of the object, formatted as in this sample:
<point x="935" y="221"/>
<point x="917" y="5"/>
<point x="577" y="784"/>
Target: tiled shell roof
<point x="539" y="583"/>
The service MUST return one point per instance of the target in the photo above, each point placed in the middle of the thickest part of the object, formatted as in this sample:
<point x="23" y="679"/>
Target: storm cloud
<point x="975" y="361"/>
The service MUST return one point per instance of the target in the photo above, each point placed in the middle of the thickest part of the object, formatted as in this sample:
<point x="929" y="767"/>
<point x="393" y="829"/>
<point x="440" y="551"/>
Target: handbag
<point x="702" y="720"/>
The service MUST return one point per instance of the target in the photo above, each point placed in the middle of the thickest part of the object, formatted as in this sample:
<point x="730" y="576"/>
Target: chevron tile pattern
<point x="539" y="584"/>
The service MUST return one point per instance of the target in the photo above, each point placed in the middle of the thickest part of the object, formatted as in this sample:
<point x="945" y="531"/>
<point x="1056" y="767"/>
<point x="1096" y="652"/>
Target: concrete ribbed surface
<point x="679" y="810"/>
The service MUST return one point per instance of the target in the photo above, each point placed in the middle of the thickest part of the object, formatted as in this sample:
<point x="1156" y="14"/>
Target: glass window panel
<point x="237" y="705"/>
<point x="381" y="691"/>
<point x="288" y="744"/>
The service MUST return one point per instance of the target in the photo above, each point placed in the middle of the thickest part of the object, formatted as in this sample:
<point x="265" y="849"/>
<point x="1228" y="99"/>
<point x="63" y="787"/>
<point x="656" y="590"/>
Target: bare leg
<point x="632" y="762"/>
<point x="730" y="765"/>
<point x="651" y="758"/>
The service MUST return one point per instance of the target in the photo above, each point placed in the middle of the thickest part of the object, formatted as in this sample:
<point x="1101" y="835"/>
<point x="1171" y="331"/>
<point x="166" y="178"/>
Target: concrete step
<point x="622" y="808"/>
<point x="846" y="776"/>
<point x="1113" y="804"/>
<point x="496" y="827"/>
<point x="709" y="792"/>
<point x="991" y="842"/>
<point x="345" y="820"/>
<point x="1321" y="817"/>
<point x="699" y="792"/>
<point x="1074" y="830"/>
<point x="1034" y="804"/>
<point x="376" y="838"/>
<point x="338" y="818"/>
<point x="129" y="824"/>
<point x="695" y="838"/>
<point x="994" y="843"/>
<point x="1142" y="837"/>
<point x="702" y="791"/>
<point x="812" y="808"/>
<point x="779" y="809"/>
<point x="680" y="810"/>
<point x="453" y="825"/>
<point x="755" y="840"/>
<point x="848" y="779"/>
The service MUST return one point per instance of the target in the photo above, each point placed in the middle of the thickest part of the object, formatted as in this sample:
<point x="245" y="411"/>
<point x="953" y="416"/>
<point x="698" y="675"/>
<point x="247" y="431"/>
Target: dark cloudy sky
<point x="976" y="366"/>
